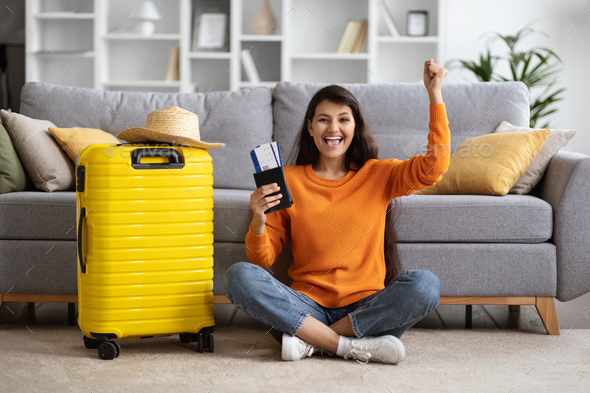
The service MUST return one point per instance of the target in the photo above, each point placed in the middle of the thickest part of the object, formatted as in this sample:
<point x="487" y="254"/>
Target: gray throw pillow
<point x="45" y="162"/>
<point x="534" y="173"/>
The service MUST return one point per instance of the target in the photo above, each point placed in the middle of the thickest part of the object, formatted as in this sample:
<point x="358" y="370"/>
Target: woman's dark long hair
<point x="362" y="148"/>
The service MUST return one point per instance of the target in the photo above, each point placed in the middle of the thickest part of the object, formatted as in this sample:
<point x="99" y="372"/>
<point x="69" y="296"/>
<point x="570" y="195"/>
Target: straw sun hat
<point x="172" y="125"/>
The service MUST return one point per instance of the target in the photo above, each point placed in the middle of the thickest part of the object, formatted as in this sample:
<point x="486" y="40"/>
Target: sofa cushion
<point x="74" y="140"/>
<point x="482" y="269"/>
<point x="555" y="141"/>
<point x="38" y="267"/>
<point x="464" y="269"/>
<point x="41" y="215"/>
<point x="398" y="116"/>
<point x="240" y="119"/>
<point x="493" y="167"/>
<point x="474" y="218"/>
<point x="38" y="215"/>
<point x="44" y="161"/>
<point x="463" y="218"/>
<point x="232" y="215"/>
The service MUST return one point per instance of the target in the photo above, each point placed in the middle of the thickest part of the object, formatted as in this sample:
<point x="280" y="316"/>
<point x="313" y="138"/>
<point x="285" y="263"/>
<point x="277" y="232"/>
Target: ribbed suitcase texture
<point x="145" y="225"/>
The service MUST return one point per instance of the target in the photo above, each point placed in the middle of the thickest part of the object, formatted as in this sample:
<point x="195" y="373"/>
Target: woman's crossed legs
<point x="409" y="297"/>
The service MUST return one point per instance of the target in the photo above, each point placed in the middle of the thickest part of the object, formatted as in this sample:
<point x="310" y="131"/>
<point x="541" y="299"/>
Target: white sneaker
<point x="383" y="349"/>
<point x="295" y="348"/>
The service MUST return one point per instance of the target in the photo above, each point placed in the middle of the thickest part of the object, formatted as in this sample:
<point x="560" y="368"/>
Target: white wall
<point x="467" y="20"/>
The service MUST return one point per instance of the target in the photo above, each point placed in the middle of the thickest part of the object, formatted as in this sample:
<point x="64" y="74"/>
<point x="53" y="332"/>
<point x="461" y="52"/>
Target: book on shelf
<point x="347" y="36"/>
<point x="250" y="66"/>
<point x="388" y="19"/>
<point x="353" y="37"/>
<point x="172" y="72"/>
<point x="360" y="39"/>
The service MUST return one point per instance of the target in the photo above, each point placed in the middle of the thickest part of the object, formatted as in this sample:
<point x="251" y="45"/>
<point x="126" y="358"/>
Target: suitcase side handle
<point x="80" y="224"/>
<point x="175" y="160"/>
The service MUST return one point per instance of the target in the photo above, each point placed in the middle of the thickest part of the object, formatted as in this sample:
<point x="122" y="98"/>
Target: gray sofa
<point x="511" y="249"/>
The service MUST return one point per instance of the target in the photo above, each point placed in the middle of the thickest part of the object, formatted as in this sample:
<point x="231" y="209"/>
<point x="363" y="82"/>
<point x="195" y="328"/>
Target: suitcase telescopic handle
<point x="80" y="224"/>
<point x="174" y="159"/>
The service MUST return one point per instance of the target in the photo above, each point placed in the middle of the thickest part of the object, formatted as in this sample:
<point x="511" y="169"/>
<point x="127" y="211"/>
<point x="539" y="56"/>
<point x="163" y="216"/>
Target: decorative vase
<point x="264" y="21"/>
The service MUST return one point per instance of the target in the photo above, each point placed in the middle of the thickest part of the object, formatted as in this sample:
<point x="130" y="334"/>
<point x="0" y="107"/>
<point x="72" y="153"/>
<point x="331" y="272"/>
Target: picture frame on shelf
<point x="417" y="23"/>
<point x="210" y="26"/>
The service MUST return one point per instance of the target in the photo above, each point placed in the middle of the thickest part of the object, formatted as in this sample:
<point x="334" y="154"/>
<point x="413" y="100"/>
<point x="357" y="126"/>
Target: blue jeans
<point x="408" y="298"/>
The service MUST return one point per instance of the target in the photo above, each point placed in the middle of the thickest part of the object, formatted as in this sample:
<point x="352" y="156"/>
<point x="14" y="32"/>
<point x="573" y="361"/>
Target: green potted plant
<point x="536" y="67"/>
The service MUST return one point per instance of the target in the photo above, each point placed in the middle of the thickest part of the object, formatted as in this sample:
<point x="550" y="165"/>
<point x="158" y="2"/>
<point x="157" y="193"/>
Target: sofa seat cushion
<point x="38" y="215"/>
<point x="424" y="218"/>
<point x="52" y="216"/>
<point x="475" y="269"/>
<point x="232" y="215"/>
<point x="474" y="218"/>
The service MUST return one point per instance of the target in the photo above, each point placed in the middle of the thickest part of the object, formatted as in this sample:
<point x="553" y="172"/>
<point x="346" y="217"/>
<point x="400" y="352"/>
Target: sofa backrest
<point x="240" y="119"/>
<point x="398" y="114"/>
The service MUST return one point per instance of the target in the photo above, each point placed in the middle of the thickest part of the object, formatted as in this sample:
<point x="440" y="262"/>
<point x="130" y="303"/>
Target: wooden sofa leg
<point x="546" y="309"/>
<point x="514" y="307"/>
<point x="1" y="301"/>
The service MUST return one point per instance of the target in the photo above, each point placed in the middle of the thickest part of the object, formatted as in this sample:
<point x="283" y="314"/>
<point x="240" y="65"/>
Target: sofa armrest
<point x="566" y="187"/>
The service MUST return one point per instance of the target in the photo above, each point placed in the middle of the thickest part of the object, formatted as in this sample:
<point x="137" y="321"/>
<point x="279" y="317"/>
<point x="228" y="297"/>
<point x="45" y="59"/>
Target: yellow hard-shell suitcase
<point x="145" y="244"/>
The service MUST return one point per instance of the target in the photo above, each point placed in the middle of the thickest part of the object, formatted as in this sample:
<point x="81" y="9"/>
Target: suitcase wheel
<point x="185" y="337"/>
<point x="118" y="348"/>
<point x="204" y="340"/>
<point x="209" y="343"/>
<point x="108" y="350"/>
<point x="91" y="343"/>
<point x="200" y="343"/>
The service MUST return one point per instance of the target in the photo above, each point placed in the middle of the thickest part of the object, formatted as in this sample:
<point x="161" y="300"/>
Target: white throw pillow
<point x="534" y="173"/>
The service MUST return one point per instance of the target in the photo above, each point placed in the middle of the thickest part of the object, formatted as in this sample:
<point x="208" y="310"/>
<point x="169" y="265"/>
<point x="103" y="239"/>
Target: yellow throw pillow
<point x="74" y="140"/>
<point x="489" y="164"/>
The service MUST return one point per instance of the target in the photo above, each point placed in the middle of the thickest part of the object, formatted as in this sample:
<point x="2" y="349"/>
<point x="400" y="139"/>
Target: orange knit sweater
<point x="338" y="226"/>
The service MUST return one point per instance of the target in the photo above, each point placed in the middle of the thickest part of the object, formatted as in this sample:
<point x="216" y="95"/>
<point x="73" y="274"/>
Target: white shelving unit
<point x="154" y="37"/>
<point x="78" y="43"/>
<point x="53" y="53"/>
<point x="64" y="15"/>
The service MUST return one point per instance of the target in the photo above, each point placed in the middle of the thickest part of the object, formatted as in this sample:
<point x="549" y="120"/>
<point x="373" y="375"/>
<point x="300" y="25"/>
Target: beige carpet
<point x="54" y="359"/>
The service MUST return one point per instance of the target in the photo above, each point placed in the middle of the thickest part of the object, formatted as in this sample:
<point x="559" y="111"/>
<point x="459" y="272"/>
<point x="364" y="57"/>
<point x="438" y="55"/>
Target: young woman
<point x="349" y="295"/>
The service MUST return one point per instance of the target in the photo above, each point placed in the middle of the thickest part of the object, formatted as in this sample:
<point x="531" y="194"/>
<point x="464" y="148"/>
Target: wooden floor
<point x="572" y="314"/>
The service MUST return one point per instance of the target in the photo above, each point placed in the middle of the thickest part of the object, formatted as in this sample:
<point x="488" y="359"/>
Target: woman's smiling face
<point x="332" y="128"/>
